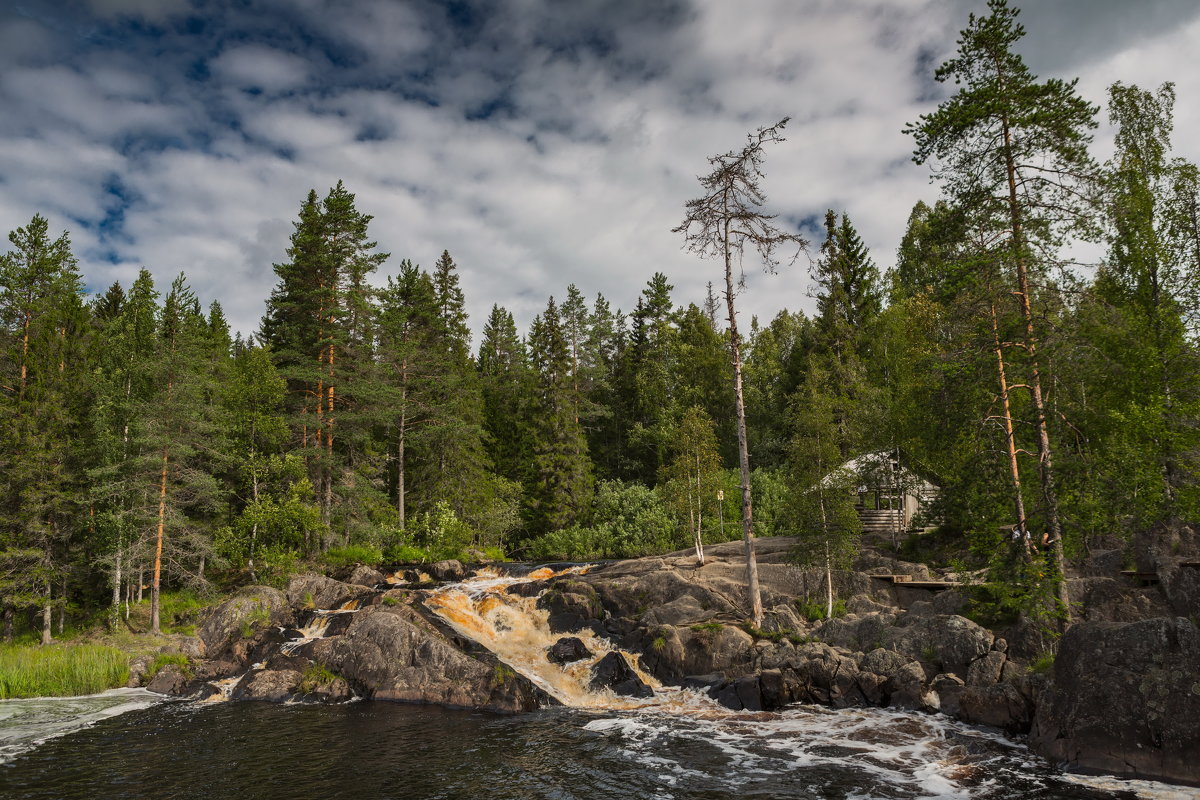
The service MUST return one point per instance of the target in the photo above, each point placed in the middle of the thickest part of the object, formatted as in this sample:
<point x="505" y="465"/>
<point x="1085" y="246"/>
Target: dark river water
<point x="254" y="751"/>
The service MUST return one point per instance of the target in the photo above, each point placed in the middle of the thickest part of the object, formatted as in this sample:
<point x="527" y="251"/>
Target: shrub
<point x="1043" y="663"/>
<point x="60" y="670"/>
<point x="570" y="544"/>
<point x="315" y="676"/>
<point x="353" y="554"/>
<point x="405" y="554"/>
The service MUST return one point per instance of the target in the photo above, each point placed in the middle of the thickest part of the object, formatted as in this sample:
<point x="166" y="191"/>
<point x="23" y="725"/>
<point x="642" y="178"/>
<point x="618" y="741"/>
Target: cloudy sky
<point x="542" y="143"/>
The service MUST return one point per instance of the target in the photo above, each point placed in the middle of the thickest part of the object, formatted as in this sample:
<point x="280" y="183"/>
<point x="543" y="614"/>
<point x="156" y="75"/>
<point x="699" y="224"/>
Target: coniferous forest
<point x="146" y="449"/>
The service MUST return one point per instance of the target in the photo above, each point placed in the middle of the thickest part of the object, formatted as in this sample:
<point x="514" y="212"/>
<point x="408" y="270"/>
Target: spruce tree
<point x="562" y="483"/>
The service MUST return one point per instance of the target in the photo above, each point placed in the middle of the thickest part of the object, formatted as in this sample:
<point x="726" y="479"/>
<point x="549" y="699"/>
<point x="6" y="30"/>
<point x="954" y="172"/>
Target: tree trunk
<point x="47" y="617"/>
<point x="400" y="455"/>
<point x="254" y="527"/>
<point x="328" y="489"/>
<point x="753" y="591"/>
<point x="1011" y="443"/>
<point x="698" y="531"/>
<point x="1045" y="456"/>
<point x="156" y="580"/>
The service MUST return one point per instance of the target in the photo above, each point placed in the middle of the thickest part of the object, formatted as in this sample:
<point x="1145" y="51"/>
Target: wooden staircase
<point x="882" y="521"/>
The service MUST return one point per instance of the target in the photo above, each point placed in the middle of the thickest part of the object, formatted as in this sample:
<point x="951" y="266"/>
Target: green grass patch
<point x="60" y="670"/>
<point x="253" y="621"/>
<point x="353" y="554"/>
<point x="390" y="601"/>
<point x="1043" y="663"/>
<point x="315" y="677"/>
<point x="710" y="627"/>
<point x="502" y="674"/>
<point x="163" y="659"/>
<point x="406" y="554"/>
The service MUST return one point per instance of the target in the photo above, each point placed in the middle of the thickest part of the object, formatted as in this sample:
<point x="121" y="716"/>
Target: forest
<point x="145" y="448"/>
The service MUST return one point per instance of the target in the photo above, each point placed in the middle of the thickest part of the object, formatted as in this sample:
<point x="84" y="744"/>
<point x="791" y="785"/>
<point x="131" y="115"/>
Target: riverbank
<point x="390" y="636"/>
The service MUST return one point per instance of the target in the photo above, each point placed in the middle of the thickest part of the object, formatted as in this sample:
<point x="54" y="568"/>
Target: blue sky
<point x="541" y="143"/>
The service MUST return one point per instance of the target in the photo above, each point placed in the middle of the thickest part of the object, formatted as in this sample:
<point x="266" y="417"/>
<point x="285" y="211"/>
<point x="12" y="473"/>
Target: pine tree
<point x="44" y="325"/>
<point x="1015" y="151"/>
<point x="721" y="224"/>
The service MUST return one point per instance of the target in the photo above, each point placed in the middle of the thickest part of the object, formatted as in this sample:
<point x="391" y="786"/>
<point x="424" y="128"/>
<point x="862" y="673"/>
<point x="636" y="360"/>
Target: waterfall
<point x="518" y="633"/>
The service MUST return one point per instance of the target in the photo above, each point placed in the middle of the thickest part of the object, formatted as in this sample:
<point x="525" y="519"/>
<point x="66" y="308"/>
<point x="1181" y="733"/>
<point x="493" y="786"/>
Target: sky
<point x="540" y="142"/>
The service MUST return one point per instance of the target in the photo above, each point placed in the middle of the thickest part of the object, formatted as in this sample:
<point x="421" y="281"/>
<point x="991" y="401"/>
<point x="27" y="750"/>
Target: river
<point x="258" y="751"/>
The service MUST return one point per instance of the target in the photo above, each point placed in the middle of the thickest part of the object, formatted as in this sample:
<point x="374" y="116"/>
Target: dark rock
<point x="170" y="679"/>
<point x="449" y="570"/>
<point x="1000" y="706"/>
<point x="312" y="592"/>
<point x="568" y="650"/>
<point x="224" y="624"/>
<point x="949" y="689"/>
<point x="743" y="694"/>
<point x="336" y="691"/>
<point x="393" y="653"/>
<point x="873" y="688"/>
<point x="529" y="589"/>
<point x="985" y="671"/>
<point x="1125" y="699"/>
<point x="268" y="684"/>
<point x="613" y="672"/>
<point x="367" y="576"/>
<point x="702" y="681"/>
<point x="572" y="606"/>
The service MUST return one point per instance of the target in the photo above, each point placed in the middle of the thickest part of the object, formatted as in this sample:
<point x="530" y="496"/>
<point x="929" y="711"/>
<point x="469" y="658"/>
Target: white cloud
<point x="598" y="126"/>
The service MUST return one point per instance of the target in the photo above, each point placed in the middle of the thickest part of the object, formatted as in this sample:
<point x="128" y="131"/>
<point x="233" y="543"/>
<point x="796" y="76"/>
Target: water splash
<point x="317" y="626"/>
<point x="518" y="633"/>
<point x="26" y="723"/>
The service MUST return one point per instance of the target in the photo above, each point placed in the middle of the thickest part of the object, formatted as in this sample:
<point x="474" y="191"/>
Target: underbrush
<point x="60" y="670"/>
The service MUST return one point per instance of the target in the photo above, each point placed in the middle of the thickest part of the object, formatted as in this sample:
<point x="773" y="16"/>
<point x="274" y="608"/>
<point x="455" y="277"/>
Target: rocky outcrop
<point x="568" y="650"/>
<point x="318" y="592"/>
<point x="393" y="653"/>
<point x="251" y="609"/>
<point x="1125" y="699"/>
<point x="614" y="673"/>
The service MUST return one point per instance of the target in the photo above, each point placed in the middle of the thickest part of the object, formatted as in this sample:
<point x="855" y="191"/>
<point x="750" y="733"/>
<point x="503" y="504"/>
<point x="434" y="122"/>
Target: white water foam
<point x="27" y="722"/>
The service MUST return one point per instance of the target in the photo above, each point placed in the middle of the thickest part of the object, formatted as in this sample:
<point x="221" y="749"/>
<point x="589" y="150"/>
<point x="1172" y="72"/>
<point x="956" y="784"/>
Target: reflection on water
<point x="383" y="750"/>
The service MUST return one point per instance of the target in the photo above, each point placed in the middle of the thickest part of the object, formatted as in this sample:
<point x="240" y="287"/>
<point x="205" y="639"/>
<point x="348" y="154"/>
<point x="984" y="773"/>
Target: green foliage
<point x="60" y="670"/>
<point x="163" y="659"/>
<point x="316" y="676"/>
<point x="1042" y="664"/>
<point x="405" y="554"/>
<point x="711" y="627"/>
<point x="390" y="601"/>
<point x="441" y="534"/>
<point x="502" y="674"/>
<point x="255" y="621"/>
<point x="351" y="555"/>
<point x="813" y="610"/>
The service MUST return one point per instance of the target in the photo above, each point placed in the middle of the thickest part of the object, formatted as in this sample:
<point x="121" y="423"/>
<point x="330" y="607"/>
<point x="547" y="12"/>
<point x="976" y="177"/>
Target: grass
<point x="163" y="659"/>
<point x="315" y="677"/>
<point x="501" y="674"/>
<point x="60" y="670"/>
<point x="253" y="621"/>
<point x="710" y="627"/>
<point x="1043" y="663"/>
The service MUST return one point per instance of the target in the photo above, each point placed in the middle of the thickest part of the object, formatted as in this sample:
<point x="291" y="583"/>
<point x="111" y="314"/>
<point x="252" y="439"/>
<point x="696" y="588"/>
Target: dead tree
<point x="721" y="224"/>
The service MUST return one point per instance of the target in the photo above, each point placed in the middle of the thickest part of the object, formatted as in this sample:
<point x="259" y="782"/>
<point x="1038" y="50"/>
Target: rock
<point x="613" y="672"/>
<point x="568" y="650"/>
<point x="449" y="570"/>
<point x="949" y="689"/>
<point x="572" y="605"/>
<point x="367" y="576"/>
<point x="529" y="589"/>
<point x="170" y="679"/>
<point x="743" y="694"/>
<point x="312" y="592"/>
<point x="252" y="608"/>
<point x="1000" y="706"/>
<point x="985" y="671"/>
<point x="137" y="671"/>
<point x="392" y="653"/>
<point x="1125" y="699"/>
<point x="683" y="610"/>
<point x="336" y="691"/>
<point x="268" y="684"/>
